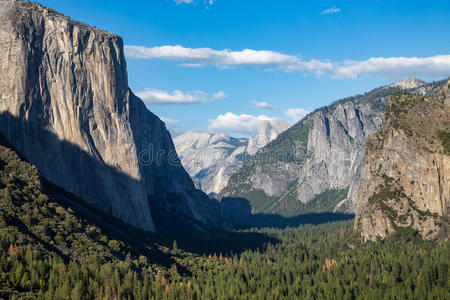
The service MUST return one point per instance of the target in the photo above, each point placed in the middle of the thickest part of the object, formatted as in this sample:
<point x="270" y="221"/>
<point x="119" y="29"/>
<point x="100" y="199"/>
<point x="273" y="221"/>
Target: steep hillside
<point x="211" y="159"/>
<point x="318" y="159"/>
<point x="43" y="224"/>
<point x="406" y="176"/>
<point x="54" y="245"/>
<point x="66" y="106"/>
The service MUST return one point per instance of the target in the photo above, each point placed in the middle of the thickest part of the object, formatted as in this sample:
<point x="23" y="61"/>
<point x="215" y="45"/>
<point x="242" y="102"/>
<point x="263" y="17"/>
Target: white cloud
<point x="263" y="105"/>
<point x="206" y="2"/>
<point x="390" y="67"/>
<point x="206" y="56"/>
<point x="173" y="126"/>
<point x="184" y="1"/>
<point x="243" y="124"/>
<point x="296" y="114"/>
<point x="154" y="96"/>
<point x="168" y="121"/>
<point x="387" y="67"/>
<point x="219" y="95"/>
<point x="331" y="10"/>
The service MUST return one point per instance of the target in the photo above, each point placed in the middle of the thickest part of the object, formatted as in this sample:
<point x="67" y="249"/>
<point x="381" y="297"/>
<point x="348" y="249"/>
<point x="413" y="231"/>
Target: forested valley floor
<point x="54" y="246"/>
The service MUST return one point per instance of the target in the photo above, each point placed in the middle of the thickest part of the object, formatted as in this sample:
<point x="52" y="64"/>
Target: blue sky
<point x="187" y="58"/>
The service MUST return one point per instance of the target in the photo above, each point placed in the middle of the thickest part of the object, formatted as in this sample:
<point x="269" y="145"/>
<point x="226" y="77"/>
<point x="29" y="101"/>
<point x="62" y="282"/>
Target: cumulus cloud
<point x="263" y="105"/>
<point x="154" y="96"/>
<point x="296" y="114"/>
<point x="243" y="124"/>
<point x="331" y="10"/>
<point x="206" y="56"/>
<point x="387" y="67"/>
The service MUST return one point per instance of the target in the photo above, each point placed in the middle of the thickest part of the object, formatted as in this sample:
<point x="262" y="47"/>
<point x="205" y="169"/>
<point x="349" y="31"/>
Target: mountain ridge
<point x="211" y="159"/>
<point x="320" y="154"/>
<point x="405" y="181"/>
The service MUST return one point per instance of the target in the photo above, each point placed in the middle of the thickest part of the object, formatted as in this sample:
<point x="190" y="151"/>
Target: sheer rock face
<point x="267" y="132"/>
<point x="211" y="159"/>
<point x="406" y="176"/>
<point x="335" y="146"/>
<point x="322" y="152"/>
<point x="66" y="106"/>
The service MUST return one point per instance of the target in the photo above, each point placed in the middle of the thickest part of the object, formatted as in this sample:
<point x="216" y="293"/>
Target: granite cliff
<point x="406" y="175"/>
<point x="211" y="159"/>
<point x="316" y="164"/>
<point x="66" y="106"/>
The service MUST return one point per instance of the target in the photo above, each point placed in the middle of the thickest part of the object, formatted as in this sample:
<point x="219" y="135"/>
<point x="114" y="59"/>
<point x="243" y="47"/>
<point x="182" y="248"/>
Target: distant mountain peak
<point x="408" y="83"/>
<point x="211" y="158"/>
<point x="268" y="131"/>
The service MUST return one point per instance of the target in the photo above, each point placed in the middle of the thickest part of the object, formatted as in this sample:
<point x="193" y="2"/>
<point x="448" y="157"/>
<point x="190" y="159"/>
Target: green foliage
<point x="175" y="246"/>
<point x="316" y="262"/>
<point x="444" y="136"/>
<point x="52" y="250"/>
<point x="289" y="205"/>
<point x="391" y="189"/>
<point x="290" y="147"/>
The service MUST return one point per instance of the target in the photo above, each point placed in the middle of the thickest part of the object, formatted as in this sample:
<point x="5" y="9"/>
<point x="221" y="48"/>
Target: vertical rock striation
<point x="406" y="176"/>
<point x="318" y="159"/>
<point x="66" y="106"/>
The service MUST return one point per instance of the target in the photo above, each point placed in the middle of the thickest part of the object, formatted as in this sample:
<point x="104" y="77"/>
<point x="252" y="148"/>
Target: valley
<point x="102" y="198"/>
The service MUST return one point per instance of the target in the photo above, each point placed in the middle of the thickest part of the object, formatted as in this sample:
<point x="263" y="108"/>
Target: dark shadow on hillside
<point x="238" y="215"/>
<point x="139" y="241"/>
<point x="195" y="238"/>
<point x="67" y="165"/>
<point x="215" y="241"/>
<point x="48" y="153"/>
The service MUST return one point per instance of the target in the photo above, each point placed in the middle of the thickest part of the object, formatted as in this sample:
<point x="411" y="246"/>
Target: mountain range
<point x="316" y="164"/>
<point x="66" y="107"/>
<point x="210" y="159"/>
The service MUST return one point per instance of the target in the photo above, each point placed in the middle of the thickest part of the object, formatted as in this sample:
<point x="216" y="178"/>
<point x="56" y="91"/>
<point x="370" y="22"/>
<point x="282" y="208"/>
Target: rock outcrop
<point x="406" y="176"/>
<point x="317" y="159"/>
<point x="267" y="132"/>
<point x="409" y="83"/>
<point x="211" y="159"/>
<point x="66" y="106"/>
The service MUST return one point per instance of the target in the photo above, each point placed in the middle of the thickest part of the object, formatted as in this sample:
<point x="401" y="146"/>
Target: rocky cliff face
<point x="317" y="160"/>
<point x="66" y="106"/>
<point x="409" y="83"/>
<point x="211" y="159"/>
<point x="406" y="176"/>
<point x="267" y="132"/>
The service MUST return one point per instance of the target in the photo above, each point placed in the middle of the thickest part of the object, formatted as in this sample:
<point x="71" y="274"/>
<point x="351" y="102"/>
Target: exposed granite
<point x="406" y="176"/>
<point x="66" y="106"/>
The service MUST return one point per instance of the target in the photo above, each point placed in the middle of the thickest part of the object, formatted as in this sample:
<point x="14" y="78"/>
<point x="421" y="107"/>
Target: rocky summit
<point x="406" y="176"/>
<point x="66" y="106"/>
<point x="316" y="164"/>
<point x="211" y="159"/>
